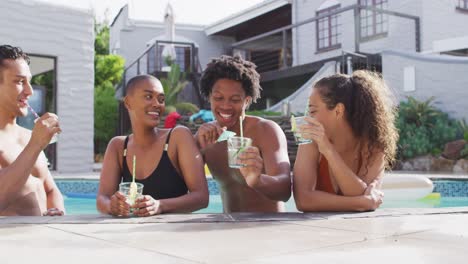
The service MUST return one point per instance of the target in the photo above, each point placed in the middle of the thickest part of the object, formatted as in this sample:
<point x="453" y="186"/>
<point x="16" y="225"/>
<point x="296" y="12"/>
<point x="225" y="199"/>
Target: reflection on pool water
<point x="76" y="206"/>
<point x="81" y="197"/>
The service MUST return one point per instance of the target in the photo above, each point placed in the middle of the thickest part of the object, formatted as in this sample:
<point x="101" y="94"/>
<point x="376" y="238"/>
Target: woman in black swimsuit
<point x="169" y="163"/>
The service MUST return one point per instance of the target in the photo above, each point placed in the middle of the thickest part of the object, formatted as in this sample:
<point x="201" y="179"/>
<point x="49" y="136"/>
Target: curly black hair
<point x="8" y="52"/>
<point x="12" y="53"/>
<point x="233" y="68"/>
<point x="370" y="109"/>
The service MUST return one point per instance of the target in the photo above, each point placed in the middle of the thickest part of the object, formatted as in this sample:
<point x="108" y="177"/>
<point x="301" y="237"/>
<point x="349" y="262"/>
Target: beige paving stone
<point x="387" y="226"/>
<point x="238" y="238"/>
<point x="452" y="232"/>
<point x="218" y="242"/>
<point x="42" y="244"/>
<point x="389" y="250"/>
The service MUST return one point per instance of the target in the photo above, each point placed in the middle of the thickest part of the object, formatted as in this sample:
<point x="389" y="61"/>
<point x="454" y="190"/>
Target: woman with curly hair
<point x="351" y="124"/>
<point x="231" y="84"/>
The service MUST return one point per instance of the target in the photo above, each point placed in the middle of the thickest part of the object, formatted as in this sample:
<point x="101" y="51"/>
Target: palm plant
<point x="419" y="112"/>
<point x="173" y="85"/>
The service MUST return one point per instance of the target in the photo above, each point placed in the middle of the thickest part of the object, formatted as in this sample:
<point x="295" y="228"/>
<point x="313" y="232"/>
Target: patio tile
<point x="218" y="242"/>
<point x="260" y="217"/>
<point x="387" y="250"/>
<point x="387" y="226"/>
<point x="42" y="244"/>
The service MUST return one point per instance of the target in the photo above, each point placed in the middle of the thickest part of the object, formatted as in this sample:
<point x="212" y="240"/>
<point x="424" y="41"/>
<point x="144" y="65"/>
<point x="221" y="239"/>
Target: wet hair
<point x="370" y="110"/>
<point x="8" y="52"/>
<point x="131" y="84"/>
<point x="232" y="68"/>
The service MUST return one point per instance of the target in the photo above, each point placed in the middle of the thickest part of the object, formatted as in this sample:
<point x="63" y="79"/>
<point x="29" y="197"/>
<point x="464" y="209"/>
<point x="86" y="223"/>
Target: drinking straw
<point x="134" y="166"/>
<point x="241" y="132"/>
<point x="32" y="111"/>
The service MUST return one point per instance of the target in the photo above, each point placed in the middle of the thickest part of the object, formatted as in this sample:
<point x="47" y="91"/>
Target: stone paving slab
<point x="391" y="226"/>
<point x="388" y="250"/>
<point x="426" y="236"/>
<point x="218" y="242"/>
<point x="262" y="217"/>
<point x="42" y="244"/>
<point x="233" y="217"/>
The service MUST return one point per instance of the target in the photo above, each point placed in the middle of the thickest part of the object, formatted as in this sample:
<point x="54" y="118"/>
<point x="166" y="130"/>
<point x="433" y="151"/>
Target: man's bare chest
<point x="9" y="153"/>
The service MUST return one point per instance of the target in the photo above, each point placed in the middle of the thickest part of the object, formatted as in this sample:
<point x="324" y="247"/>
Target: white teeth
<point x="153" y="113"/>
<point x="225" y="116"/>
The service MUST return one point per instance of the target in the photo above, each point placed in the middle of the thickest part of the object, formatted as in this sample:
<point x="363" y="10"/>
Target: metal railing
<point x="152" y="62"/>
<point x="273" y="50"/>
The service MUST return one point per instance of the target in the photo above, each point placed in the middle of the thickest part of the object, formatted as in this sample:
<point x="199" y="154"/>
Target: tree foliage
<point x="108" y="70"/>
<point x="423" y="128"/>
<point x="173" y="85"/>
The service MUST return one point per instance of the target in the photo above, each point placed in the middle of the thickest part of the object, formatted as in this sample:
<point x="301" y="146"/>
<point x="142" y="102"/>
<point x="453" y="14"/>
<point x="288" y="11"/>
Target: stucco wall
<point x="444" y="77"/>
<point x="68" y="35"/>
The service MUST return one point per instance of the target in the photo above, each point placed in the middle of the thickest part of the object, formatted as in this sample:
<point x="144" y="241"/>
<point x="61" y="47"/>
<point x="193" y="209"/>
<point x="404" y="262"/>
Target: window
<point x="373" y="23"/>
<point x="463" y="4"/>
<point x="327" y="29"/>
<point x="182" y="57"/>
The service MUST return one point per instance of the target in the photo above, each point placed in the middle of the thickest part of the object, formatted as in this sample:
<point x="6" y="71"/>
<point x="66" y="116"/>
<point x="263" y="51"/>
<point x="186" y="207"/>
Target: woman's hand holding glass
<point x="314" y="131"/>
<point x="146" y="206"/>
<point x="119" y="205"/>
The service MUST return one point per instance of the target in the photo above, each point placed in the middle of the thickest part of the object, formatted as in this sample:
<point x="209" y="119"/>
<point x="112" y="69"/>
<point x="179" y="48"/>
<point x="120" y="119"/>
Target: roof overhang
<point x="245" y="15"/>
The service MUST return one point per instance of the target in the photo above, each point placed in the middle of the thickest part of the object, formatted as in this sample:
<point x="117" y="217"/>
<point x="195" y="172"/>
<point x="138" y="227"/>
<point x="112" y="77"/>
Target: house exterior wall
<point x="68" y="35"/>
<point x="443" y="77"/>
<point x="134" y="36"/>
<point x="441" y="20"/>
<point x="400" y="33"/>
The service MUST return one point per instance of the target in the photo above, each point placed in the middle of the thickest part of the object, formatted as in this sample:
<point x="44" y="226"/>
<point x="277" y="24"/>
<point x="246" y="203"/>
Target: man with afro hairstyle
<point x="231" y="84"/>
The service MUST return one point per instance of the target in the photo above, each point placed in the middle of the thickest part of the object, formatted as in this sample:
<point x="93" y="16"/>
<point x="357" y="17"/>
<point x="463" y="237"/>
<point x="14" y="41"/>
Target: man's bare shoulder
<point x="268" y="127"/>
<point x="17" y="138"/>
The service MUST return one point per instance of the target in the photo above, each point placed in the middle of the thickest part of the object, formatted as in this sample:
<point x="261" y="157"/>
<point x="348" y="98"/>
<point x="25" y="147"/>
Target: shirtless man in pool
<point x="26" y="186"/>
<point x="231" y="84"/>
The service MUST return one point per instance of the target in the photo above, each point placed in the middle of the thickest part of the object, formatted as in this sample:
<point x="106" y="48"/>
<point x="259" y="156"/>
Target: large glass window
<point x="463" y="4"/>
<point x="183" y="54"/>
<point x="373" y="23"/>
<point x="327" y="29"/>
<point x="43" y="69"/>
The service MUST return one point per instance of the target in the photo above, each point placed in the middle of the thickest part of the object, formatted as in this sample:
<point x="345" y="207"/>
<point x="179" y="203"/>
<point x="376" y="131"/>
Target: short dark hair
<point x="135" y="80"/>
<point x="233" y="68"/>
<point x="8" y="52"/>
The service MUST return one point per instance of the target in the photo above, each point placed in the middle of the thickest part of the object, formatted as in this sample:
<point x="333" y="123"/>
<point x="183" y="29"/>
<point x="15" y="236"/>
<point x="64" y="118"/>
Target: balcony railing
<point x="278" y="49"/>
<point x="152" y="62"/>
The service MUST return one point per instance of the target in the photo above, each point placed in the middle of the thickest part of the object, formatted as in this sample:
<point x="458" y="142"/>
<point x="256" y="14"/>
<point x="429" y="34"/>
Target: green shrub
<point x="108" y="70"/>
<point x="423" y="129"/>
<point x="463" y="129"/>
<point x="262" y="113"/>
<point x="464" y="152"/>
<point x="186" y="108"/>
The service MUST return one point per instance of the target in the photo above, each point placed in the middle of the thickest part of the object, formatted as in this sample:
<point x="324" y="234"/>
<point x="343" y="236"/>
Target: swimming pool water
<point x="80" y="197"/>
<point x="76" y="206"/>
<point x="79" y="206"/>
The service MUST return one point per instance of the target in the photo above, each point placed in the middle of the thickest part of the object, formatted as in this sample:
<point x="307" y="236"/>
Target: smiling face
<point x="15" y="86"/>
<point x="146" y="102"/>
<point x="228" y="102"/>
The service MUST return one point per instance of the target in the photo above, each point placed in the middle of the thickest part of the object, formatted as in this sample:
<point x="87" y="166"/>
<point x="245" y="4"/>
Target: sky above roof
<point x="197" y="12"/>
